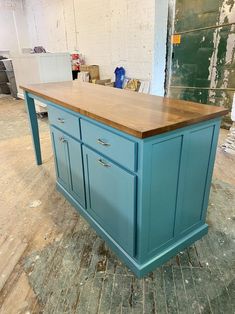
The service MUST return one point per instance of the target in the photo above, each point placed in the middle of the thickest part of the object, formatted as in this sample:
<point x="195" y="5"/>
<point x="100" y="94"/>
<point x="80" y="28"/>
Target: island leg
<point x="30" y="105"/>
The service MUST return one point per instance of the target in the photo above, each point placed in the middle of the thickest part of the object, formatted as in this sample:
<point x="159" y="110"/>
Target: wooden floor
<point x="51" y="261"/>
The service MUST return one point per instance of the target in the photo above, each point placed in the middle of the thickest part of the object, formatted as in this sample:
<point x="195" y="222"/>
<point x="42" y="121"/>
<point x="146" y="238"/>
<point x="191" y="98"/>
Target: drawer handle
<point x="104" y="164"/>
<point x="62" y="139"/>
<point x="101" y="142"/>
<point x="60" y="120"/>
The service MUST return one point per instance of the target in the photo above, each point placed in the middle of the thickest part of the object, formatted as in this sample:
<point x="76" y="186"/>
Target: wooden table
<point x="137" y="167"/>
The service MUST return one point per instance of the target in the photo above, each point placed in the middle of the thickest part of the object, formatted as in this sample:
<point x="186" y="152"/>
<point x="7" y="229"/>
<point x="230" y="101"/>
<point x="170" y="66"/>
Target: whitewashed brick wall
<point x="108" y="32"/>
<point x="13" y="27"/>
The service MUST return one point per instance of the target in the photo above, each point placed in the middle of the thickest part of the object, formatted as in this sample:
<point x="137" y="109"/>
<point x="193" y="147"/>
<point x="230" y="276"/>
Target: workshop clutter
<point x="90" y="73"/>
<point x="4" y="88"/>
<point x="77" y="59"/>
<point x="7" y="77"/>
<point x="136" y="85"/>
<point x="119" y="77"/>
<point x="93" y="70"/>
<point x="83" y="77"/>
<point x="229" y="145"/>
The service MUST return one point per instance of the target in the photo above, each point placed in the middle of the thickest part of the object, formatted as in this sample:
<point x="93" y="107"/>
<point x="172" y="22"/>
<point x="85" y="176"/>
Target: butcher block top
<point x="137" y="114"/>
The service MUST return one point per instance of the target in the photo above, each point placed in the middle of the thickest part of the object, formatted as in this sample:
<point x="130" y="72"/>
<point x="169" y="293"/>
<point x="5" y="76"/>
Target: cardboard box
<point x="93" y="70"/>
<point x="103" y="82"/>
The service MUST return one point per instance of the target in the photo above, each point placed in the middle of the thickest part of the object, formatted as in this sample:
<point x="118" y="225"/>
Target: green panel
<point x="193" y="178"/>
<point x="191" y="94"/>
<point x="190" y="66"/>
<point x="111" y="198"/>
<point x="196" y="14"/>
<point x="204" y="60"/>
<point x="163" y="197"/>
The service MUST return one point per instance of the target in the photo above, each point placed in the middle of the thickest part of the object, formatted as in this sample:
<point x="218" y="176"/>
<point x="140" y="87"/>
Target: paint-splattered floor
<point x="51" y="261"/>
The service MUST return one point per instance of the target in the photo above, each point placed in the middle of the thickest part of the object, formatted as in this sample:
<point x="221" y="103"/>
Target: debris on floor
<point x="35" y="204"/>
<point x="229" y="145"/>
<point x="79" y="274"/>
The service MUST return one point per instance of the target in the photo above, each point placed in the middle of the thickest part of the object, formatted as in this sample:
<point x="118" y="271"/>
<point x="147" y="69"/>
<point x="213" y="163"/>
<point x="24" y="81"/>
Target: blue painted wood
<point x="76" y="171"/>
<point x="30" y="106"/>
<point x="147" y="208"/>
<point x="61" y="157"/>
<point x="111" y="195"/>
<point x="108" y="143"/>
<point x="210" y="169"/>
<point x="114" y="245"/>
<point x="69" y="165"/>
<point x="138" y="268"/>
<point x="193" y="178"/>
<point x="65" y="121"/>
<point x="175" y="174"/>
<point x="172" y="250"/>
<point x="163" y="189"/>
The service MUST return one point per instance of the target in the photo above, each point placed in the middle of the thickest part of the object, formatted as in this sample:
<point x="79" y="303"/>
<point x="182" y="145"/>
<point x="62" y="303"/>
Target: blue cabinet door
<point x="69" y="165"/>
<point x="111" y="198"/>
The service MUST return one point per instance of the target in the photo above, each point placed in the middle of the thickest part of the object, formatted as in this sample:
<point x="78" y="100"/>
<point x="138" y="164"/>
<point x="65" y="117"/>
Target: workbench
<point x="137" y="167"/>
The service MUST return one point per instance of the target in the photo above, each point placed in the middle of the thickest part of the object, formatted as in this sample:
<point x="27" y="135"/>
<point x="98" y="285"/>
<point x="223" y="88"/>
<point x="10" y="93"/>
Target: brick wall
<point x="108" y="32"/>
<point x="13" y="28"/>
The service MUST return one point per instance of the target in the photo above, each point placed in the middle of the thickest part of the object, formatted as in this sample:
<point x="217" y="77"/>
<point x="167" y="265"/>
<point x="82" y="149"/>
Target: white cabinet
<point x="41" y="68"/>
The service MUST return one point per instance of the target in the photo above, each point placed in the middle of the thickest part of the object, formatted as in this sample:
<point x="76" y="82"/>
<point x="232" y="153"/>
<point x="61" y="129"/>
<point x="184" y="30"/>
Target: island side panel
<point x="177" y="171"/>
<point x="198" y="157"/>
<point x="165" y="165"/>
<point x="30" y="106"/>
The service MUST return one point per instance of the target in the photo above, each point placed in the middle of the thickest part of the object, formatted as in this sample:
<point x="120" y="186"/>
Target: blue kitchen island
<point x="137" y="167"/>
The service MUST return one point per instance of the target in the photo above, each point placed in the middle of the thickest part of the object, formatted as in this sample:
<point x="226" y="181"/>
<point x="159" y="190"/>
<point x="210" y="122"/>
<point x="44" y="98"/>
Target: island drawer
<point x="114" y="146"/>
<point x="65" y="121"/>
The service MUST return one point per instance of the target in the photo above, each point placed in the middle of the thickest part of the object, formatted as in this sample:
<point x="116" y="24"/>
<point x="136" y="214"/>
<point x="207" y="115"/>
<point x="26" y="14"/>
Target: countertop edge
<point x="125" y="129"/>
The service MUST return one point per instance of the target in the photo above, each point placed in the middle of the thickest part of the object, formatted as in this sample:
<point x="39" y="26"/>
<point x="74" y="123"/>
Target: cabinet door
<point x="111" y="198"/>
<point x="69" y="166"/>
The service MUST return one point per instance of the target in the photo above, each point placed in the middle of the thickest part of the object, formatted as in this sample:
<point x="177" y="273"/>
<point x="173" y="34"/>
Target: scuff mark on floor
<point x="35" y="204"/>
<point x="66" y="273"/>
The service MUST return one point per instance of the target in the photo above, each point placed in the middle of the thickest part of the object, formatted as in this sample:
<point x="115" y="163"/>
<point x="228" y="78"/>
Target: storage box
<point x="103" y="82"/>
<point x="93" y="71"/>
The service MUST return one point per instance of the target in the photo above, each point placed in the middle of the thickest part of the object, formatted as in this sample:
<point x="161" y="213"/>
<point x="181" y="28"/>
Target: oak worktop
<point x="137" y="114"/>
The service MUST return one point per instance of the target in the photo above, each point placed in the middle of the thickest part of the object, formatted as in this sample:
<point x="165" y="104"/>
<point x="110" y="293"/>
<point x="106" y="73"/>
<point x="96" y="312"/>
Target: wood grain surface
<point x="137" y="114"/>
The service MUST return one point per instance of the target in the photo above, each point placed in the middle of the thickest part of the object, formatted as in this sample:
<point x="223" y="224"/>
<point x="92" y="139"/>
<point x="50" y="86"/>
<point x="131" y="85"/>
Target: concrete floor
<point x="51" y="261"/>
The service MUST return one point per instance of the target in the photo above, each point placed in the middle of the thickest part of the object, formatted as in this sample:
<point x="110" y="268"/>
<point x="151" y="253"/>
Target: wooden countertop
<point x="137" y="114"/>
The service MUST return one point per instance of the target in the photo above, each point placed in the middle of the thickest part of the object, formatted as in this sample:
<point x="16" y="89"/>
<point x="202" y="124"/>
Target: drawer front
<point x="65" y="121"/>
<point x="114" y="146"/>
